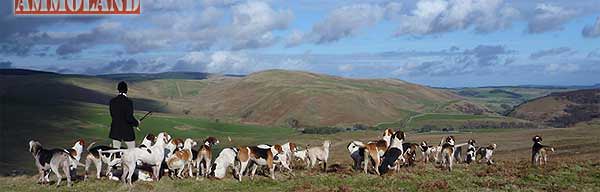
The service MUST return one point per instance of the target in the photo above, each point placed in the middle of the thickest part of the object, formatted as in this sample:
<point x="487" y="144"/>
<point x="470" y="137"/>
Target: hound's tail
<point x="90" y="146"/>
<point x="460" y="145"/>
<point x="549" y="148"/>
<point x="358" y="143"/>
<point x="112" y="151"/>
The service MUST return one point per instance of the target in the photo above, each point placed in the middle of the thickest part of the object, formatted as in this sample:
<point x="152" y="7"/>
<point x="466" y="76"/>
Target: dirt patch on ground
<point x="183" y="127"/>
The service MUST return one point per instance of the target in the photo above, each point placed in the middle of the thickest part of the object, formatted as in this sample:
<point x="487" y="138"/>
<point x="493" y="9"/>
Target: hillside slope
<point x="502" y="99"/>
<point x="273" y="97"/>
<point x="561" y="109"/>
<point x="277" y="96"/>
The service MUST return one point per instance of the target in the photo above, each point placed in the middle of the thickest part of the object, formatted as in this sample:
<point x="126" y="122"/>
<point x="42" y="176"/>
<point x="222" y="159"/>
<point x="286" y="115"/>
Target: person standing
<point x="123" y="121"/>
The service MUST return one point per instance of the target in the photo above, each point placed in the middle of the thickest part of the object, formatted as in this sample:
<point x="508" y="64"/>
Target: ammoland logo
<point x="77" y="7"/>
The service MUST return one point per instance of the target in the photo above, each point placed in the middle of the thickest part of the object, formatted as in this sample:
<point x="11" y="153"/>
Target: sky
<point x="442" y="43"/>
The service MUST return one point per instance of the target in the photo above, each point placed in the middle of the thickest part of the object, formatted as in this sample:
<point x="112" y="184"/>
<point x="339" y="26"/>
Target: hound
<point x="148" y="141"/>
<point x="539" y="152"/>
<point x="394" y="152"/>
<point x="225" y="160"/>
<point x="458" y="157"/>
<point x="181" y="158"/>
<point x="428" y="150"/>
<point x="357" y="153"/>
<point x="172" y="146"/>
<point x="48" y="160"/>
<point x="320" y="154"/>
<point x="289" y="149"/>
<point x="409" y="155"/>
<point x="75" y="152"/>
<point x="376" y="149"/>
<point x="111" y="159"/>
<point x="152" y="156"/>
<point x="485" y="153"/>
<point x="301" y="155"/>
<point x="447" y="152"/>
<point x="203" y="156"/>
<point x="259" y="155"/>
<point x="470" y="152"/>
<point x="95" y="156"/>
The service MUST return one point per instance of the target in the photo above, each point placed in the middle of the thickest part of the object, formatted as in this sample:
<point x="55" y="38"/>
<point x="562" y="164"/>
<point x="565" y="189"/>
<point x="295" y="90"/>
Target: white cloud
<point x="253" y="23"/>
<point x="437" y="16"/>
<point x="228" y="62"/>
<point x="346" y="21"/>
<point x="236" y="62"/>
<point x="343" y="22"/>
<point x="549" y="18"/>
<point x="558" y="68"/>
<point x="195" y="57"/>
<point x="294" y="38"/>
<point x="345" y="68"/>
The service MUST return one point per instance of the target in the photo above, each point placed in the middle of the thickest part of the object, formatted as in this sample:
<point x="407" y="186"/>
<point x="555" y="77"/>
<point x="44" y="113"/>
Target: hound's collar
<point x="124" y="94"/>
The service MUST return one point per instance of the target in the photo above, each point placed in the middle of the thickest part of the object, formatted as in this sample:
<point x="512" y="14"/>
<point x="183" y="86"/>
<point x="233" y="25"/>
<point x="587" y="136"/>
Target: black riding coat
<point x="123" y="121"/>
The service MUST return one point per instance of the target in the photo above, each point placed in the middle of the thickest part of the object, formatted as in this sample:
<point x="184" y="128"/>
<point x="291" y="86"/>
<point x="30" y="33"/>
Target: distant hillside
<point x="165" y="75"/>
<point x="23" y="72"/>
<point x="502" y="99"/>
<point x="274" y="97"/>
<point x="278" y="97"/>
<point x="561" y="109"/>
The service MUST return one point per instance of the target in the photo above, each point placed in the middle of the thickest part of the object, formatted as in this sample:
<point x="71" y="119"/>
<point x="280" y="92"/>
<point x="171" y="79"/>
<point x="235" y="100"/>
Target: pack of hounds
<point x="163" y="155"/>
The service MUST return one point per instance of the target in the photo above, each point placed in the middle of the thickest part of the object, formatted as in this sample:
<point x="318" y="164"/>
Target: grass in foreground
<point x="559" y="175"/>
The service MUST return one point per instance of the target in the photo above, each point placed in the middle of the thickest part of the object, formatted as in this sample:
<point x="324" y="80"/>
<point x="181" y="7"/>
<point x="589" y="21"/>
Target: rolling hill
<point x="501" y="99"/>
<point x="561" y="109"/>
<point x="273" y="97"/>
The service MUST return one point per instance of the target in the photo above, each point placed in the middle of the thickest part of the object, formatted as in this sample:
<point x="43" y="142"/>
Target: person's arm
<point x="130" y="118"/>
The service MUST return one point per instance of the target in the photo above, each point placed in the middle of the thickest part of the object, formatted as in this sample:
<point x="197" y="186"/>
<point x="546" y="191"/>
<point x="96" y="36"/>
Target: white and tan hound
<point x="289" y="149"/>
<point x="152" y="156"/>
<point x="182" y="158"/>
<point x="319" y="154"/>
<point x="203" y="157"/>
<point x="374" y="150"/>
<point x="448" y="153"/>
<point x="262" y="155"/>
<point x="226" y="159"/>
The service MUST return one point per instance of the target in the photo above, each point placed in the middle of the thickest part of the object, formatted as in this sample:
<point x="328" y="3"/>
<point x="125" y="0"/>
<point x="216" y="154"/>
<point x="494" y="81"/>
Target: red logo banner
<point x="77" y="7"/>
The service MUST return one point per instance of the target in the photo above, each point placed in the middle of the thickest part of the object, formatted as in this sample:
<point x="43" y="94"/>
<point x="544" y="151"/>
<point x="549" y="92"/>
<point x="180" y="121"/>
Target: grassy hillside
<point x="267" y="98"/>
<point x="502" y="99"/>
<point x="561" y="109"/>
<point x="276" y="96"/>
